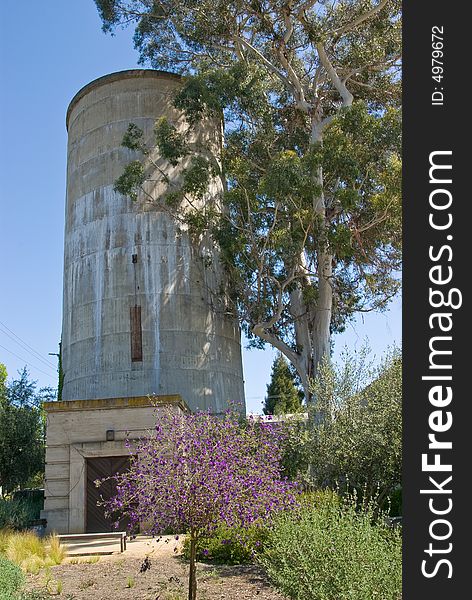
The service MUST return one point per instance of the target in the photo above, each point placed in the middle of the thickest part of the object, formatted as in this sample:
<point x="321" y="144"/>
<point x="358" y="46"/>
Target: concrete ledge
<point x="110" y="403"/>
<point x="95" y="537"/>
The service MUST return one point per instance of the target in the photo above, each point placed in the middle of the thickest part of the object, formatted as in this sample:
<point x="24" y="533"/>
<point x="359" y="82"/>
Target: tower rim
<point x="117" y="76"/>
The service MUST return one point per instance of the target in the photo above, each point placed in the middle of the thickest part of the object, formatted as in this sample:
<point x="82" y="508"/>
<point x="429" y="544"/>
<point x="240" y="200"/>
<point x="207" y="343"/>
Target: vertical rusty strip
<point x="136" y="334"/>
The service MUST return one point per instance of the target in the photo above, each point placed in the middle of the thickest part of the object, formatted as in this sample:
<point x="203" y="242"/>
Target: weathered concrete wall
<point x="77" y="431"/>
<point x="188" y="348"/>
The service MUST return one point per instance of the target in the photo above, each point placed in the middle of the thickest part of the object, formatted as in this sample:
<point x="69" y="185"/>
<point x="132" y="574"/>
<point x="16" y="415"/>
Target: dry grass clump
<point x="55" y="550"/>
<point x="4" y="537"/>
<point x="29" y="551"/>
<point x="87" y="560"/>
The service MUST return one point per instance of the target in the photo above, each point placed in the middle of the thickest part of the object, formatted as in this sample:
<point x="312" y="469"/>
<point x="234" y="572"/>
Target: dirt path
<point x="118" y="576"/>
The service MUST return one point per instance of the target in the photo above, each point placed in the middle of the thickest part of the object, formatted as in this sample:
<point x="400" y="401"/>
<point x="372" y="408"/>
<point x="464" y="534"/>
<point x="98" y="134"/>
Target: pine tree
<point x="283" y="396"/>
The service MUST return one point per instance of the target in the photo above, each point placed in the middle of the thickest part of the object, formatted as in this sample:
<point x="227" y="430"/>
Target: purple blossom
<point x="197" y="471"/>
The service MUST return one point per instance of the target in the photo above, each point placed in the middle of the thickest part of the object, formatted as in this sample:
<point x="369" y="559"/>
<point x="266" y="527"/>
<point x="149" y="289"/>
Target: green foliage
<point x="13" y="514"/>
<point x="296" y="458"/>
<point x="171" y="143"/>
<point x="130" y="181"/>
<point x="332" y="551"/>
<point x="21" y="432"/>
<point x="209" y="92"/>
<point x="321" y="498"/>
<point x="229" y="545"/>
<point x="18" y="513"/>
<point x="233" y="545"/>
<point x="353" y="438"/>
<point x="11" y="579"/>
<point x="193" y="184"/>
<point x="197" y="177"/>
<point x="357" y="430"/>
<point x="3" y="376"/>
<point x="283" y="396"/>
<point x="395" y="500"/>
<point x="133" y="138"/>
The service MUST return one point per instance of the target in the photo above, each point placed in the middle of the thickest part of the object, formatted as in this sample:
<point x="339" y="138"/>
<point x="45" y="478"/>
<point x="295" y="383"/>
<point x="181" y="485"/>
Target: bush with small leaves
<point x="332" y="550"/>
<point x="11" y="579"/>
<point x="229" y="545"/>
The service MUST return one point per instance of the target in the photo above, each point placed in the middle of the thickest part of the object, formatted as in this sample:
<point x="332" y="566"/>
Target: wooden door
<point x="97" y="468"/>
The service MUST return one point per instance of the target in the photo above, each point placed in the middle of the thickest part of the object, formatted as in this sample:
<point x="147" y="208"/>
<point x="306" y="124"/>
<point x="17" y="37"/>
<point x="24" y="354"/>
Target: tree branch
<point x="335" y="79"/>
<point x="267" y="63"/>
<point x="367" y="15"/>
<point x="274" y="341"/>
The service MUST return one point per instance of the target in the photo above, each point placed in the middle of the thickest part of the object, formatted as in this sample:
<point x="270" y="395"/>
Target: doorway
<point x="98" y="468"/>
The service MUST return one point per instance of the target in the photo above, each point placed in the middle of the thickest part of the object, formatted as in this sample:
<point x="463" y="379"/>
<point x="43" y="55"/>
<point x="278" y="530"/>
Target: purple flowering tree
<point x="196" y="471"/>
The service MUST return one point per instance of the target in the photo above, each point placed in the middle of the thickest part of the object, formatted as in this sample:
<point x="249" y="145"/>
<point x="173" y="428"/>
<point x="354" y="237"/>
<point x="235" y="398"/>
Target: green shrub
<point x="11" y="579"/>
<point x="353" y="438"/>
<point x="331" y="551"/>
<point x="13" y="514"/>
<point x="320" y="498"/>
<point x="231" y="546"/>
<point x="18" y="513"/>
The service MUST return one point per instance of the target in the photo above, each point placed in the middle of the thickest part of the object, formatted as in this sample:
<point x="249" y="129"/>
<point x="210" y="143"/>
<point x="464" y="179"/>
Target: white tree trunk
<point x="303" y="338"/>
<point x="322" y="314"/>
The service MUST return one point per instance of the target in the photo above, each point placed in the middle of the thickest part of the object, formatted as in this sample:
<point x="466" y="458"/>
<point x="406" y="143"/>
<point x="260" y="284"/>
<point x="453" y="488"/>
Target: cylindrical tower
<point x="137" y="312"/>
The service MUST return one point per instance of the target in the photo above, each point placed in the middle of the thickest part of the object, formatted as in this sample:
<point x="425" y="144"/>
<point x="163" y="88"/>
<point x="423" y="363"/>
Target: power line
<point x="26" y="346"/>
<point x="28" y="363"/>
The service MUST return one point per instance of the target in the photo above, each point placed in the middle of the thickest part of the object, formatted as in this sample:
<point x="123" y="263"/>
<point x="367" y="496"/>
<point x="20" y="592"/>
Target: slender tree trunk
<point x="306" y="385"/>
<point x="301" y="317"/>
<point x="313" y="326"/>
<point x="321" y="334"/>
<point x="192" y="579"/>
<point x="321" y="315"/>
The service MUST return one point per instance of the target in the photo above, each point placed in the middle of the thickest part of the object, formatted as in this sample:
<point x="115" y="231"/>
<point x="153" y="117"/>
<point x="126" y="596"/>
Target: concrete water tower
<point x="140" y="313"/>
<point x="137" y="314"/>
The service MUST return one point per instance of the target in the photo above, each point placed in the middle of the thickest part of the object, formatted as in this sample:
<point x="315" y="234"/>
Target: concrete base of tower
<point x="86" y="440"/>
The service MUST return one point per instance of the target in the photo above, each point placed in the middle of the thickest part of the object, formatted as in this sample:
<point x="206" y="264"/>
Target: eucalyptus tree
<point x="309" y="223"/>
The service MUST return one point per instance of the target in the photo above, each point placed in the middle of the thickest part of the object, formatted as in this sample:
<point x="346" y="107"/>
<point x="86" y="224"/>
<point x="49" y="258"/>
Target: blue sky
<point x="48" y="51"/>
